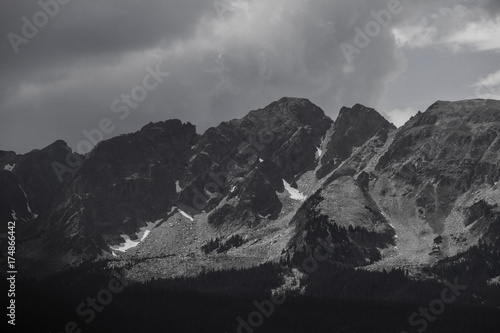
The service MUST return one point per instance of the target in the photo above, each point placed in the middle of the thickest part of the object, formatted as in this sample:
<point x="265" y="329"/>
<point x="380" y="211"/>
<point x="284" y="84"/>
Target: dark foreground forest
<point x="92" y="298"/>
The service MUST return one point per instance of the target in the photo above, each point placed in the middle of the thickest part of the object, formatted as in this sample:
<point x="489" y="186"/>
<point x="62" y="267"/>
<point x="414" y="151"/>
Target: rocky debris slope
<point x="430" y="180"/>
<point x="122" y="184"/>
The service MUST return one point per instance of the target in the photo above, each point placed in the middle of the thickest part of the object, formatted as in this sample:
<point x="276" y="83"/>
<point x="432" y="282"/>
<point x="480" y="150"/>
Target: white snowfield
<point x="178" y="188"/>
<point x="28" y="204"/>
<point x="186" y="215"/>
<point x="9" y="167"/>
<point x="319" y="152"/>
<point x="294" y="193"/>
<point x="141" y="235"/>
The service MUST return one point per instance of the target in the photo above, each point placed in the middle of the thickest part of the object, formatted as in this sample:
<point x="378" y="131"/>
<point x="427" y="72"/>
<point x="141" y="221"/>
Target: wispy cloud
<point x="488" y="87"/>
<point x="400" y="116"/>
<point x="476" y="36"/>
<point x="454" y="29"/>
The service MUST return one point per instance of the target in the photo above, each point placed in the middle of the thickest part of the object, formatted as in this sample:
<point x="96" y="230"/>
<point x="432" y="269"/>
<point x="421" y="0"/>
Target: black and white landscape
<point x="153" y="178"/>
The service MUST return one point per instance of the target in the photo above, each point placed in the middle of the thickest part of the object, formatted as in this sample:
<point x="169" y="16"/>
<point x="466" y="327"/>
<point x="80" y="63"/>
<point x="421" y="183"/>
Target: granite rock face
<point x="254" y="155"/>
<point x="353" y="127"/>
<point x="444" y="153"/>
<point x="33" y="175"/>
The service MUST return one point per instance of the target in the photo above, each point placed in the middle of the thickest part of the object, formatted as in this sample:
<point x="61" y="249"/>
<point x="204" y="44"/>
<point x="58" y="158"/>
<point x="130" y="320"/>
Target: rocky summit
<point x="166" y="201"/>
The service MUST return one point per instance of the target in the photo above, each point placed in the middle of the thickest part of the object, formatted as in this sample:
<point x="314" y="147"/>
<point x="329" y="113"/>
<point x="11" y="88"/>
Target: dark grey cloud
<point x="93" y="52"/>
<point x="97" y="30"/>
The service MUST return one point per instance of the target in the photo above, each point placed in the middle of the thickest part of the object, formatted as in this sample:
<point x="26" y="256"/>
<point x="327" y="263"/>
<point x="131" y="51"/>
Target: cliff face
<point x="29" y="181"/>
<point x="445" y="152"/>
<point x="281" y="178"/>
<point x="440" y="164"/>
<point x="353" y="127"/>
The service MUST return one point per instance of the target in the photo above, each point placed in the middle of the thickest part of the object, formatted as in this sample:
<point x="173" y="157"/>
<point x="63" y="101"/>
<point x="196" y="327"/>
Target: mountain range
<point x="168" y="202"/>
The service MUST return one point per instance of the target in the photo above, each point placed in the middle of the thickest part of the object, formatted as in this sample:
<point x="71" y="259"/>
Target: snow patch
<point x="13" y="214"/>
<point x="147" y="229"/>
<point x="294" y="193"/>
<point x="178" y="188"/>
<point x="470" y="226"/>
<point x="494" y="280"/>
<point x="186" y="215"/>
<point x="9" y="167"/>
<point x="141" y="235"/>
<point x="319" y="152"/>
<point x="27" y="202"/>
<point x="261" y="160"/>
<point x="124" y="247"/>
<point x="232" y="189"/>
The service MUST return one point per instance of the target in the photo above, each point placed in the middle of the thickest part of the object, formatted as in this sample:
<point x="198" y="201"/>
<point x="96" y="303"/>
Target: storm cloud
<point x="223" y="59"/>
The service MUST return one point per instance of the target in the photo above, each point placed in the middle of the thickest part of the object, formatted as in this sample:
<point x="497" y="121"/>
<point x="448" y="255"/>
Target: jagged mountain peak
<point x="301" y="109"/>
<point x="166" y="125"/>
<point x="450" y="114"/>
<point x="353" y="127"/>
<point x="290" y="102"/>
<point x="360" y="115"/>
<point x="473" y="105"/>
<point x="164" y="138"/>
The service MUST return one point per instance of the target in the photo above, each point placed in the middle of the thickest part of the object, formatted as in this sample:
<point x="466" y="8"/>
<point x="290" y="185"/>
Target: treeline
<point x="253" y="282"/>
<point x="352" y="246"/>
<point x="220" y="246"/>
<point x="476" y="266"/>
<point x="337" y="299"/>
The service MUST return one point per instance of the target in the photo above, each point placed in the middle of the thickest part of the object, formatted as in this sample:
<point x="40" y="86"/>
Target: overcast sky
<point x="87" y="60"/>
